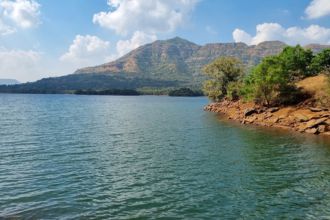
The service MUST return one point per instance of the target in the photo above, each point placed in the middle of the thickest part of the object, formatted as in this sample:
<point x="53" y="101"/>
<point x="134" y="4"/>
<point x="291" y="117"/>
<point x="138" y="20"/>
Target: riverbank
<point x="300" y="118"/>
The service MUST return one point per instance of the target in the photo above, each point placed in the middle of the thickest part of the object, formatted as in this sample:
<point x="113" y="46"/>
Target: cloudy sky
<point x="43" y="38"/>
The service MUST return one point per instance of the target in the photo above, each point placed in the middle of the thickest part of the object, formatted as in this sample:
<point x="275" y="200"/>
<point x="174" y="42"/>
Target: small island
<point x="290" y="90"/>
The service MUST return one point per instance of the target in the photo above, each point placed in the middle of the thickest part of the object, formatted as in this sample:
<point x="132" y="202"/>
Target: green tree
<point x="221" y="72"/>
<point x="264" y="83"/>
<point x="296" y="61"/>
<point x="321" y="61"/>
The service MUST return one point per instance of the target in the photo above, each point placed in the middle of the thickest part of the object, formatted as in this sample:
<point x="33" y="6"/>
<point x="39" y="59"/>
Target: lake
<point x="148" y="157"/>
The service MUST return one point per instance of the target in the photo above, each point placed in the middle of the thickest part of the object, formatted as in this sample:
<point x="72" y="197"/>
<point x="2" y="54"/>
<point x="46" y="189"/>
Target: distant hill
<point x="8" y="81"/>
<point x="179" y="59"/>
<point x="169" y="63"/>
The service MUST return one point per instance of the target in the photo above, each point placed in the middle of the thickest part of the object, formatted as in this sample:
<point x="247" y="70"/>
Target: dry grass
<point x="318" y="87"/>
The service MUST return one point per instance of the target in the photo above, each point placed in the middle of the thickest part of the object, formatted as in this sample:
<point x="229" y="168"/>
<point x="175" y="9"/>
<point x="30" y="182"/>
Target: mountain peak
<point x="178" y="41"/>
<point x="180" y="59"/>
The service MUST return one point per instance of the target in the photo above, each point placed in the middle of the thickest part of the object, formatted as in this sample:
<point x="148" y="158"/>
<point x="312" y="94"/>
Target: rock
<point x="268" y="115"/>
<point x="315" y="109"/>
<point x="250" y="120"/>
<point x="327" y="122"/>
<point x="326" y="133"/>
<point x="301" y="118"/>
<point x="321" y="128"/>
<point x="311" y="131"/>
<point x="275" y="120"/>
<point x="274" y="109"/>
<point x="315" y="122"/>
<point x="326" y="114"/>
<point x="249" y="111"/>
<point x="301" y="128"/>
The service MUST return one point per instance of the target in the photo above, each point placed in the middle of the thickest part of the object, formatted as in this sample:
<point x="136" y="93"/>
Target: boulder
<point x="315" y="122"/>
<point x="249" y="111"/>
<point x="321" y="129"/>
<point x="311" y="131"/>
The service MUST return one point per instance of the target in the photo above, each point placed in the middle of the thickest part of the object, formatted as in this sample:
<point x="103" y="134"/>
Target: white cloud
<point x="5" y="29"/>
<point x="85" y="51"/>
<point x="139" y="38"/>
<point x="19" y="64"/>
<point x="318" y="9"/>
<point x="241" y="36"/>
<point x="149" y="16"/>
<point x="18" y="13"/>
<point x="292" y="35"/>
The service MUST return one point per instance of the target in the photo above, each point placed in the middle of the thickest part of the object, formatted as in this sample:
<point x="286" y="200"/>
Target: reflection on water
<point x="64" y="156"/>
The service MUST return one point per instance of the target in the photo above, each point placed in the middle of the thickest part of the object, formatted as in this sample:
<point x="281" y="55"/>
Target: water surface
<point x="107" y="157"/>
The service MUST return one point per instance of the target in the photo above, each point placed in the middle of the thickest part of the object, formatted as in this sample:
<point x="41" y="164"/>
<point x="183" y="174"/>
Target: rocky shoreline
<point x="299" y="118"/>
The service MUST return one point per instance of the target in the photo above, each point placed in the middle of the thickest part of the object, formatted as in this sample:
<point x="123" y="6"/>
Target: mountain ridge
<point x="180" y="59"/>
<point x="163" y="64"/>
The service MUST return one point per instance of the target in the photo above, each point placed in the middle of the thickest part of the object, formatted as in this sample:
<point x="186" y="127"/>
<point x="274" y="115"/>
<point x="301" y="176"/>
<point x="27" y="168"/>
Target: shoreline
<point x="303" y="119"/>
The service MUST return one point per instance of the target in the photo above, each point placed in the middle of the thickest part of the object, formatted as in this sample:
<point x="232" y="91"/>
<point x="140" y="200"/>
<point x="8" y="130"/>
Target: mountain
<point x="8" y="82"/>
<point x="162" y="64"/>
<point x="179" y="59"/>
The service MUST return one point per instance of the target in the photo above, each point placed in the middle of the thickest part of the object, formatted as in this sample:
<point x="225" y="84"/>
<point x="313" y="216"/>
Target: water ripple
<point x="70" y="157"/>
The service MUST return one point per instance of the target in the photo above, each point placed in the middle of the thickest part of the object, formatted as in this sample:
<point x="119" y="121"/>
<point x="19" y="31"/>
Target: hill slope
<point x="161" y="64"/>
<point x="179" y="59"/>
<point x="8" y="82"/>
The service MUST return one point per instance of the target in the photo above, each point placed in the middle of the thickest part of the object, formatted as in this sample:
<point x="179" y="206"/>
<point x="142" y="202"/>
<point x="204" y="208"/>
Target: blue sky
<point x="42" y="38"/>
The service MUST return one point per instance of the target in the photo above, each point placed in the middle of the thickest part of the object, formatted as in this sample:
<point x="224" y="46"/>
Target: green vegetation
<point x="222" y="72"/>
<point x="74" y="82"/>
<point x="162" y="66"/>
<point x="272" y="82"/>
<point x="185" y="92"/>
<point x="321" y="61"/>
<point x="124" y="92"/>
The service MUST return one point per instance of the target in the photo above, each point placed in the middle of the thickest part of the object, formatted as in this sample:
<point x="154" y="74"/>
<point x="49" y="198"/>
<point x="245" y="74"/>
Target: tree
<point x="321" y="62"/>
<point x="296" y="61"/>
<point x="266" y="80"/>
<point x="221" y="72"/>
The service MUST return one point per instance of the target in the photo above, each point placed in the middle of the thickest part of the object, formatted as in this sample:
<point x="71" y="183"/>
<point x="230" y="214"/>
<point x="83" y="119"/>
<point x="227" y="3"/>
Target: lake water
<point x="106" y="157"/>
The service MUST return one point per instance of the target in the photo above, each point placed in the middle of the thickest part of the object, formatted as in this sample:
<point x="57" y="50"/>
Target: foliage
<point x="273" y="80"/>
<point x="296" y="61"/>
<point x="124" y="92"/>
<point x="321" y="61"/>
<point x="185" y="92"/>
<point x="234" y="90"/>
<point x="265" y="81"/>
<point x="73" y="82"/>
<point x="221" y="72"/>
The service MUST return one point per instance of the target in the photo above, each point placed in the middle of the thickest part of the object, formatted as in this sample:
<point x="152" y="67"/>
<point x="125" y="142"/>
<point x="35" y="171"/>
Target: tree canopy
<point x="273" y="81"/>
<point x="221" y="73"/>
